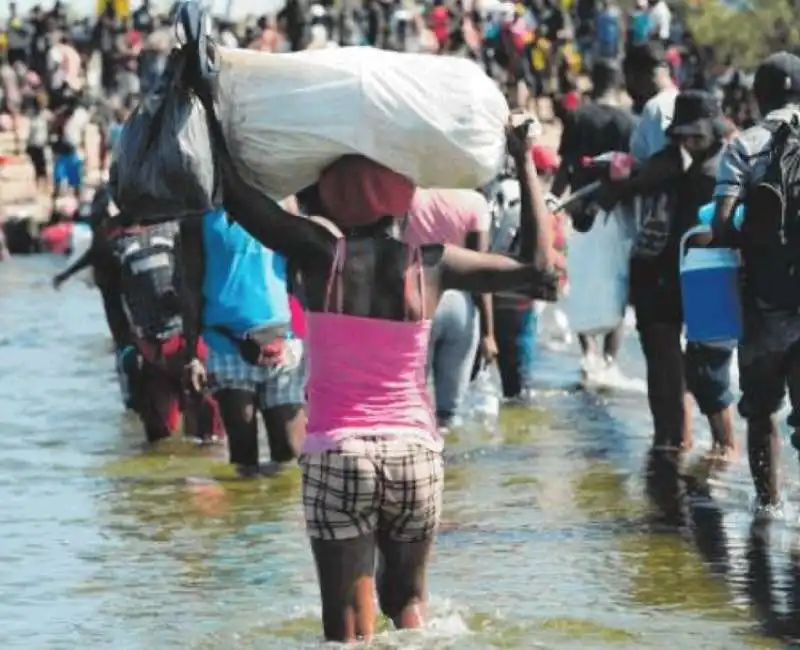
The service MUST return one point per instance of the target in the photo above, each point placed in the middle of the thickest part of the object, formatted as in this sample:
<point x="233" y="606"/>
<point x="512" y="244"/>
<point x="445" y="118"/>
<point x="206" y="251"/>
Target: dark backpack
<point x="148" y="283"/>
<point x="771" y="231"/>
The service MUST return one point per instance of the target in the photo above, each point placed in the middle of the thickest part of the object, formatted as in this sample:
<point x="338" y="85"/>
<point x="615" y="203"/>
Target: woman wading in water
<point x="372" y="457"/>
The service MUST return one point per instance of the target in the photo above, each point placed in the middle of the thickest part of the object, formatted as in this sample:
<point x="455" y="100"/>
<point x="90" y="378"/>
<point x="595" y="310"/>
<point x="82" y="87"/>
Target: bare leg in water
<point x="346" y="571"/>
<point x="612" y="342"/>
<point x="763" y="450"/>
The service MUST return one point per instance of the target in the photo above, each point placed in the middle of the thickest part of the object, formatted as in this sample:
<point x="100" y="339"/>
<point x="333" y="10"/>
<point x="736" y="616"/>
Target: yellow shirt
<point x="540" y="53"/>
<point x="573" y="58"/>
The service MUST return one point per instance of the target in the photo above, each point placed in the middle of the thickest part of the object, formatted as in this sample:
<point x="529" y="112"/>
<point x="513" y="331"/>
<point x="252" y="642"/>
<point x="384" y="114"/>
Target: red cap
<point x="571" y="101"/>
<point x="545" y="159"/>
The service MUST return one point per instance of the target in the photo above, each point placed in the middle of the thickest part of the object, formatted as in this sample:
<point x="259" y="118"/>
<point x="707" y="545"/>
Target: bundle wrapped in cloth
<point x="439" y="121"/>
<point x="283" y="119"/>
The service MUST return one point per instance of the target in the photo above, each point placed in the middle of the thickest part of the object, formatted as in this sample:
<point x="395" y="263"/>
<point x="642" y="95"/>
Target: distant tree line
<point x="744" y="32"/>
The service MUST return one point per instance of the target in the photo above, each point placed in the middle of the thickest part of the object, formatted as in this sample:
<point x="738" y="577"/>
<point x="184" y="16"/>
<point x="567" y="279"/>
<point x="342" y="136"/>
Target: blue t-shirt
<point x="244" y="283"/>
<point x="640" y="26"/>
<point x="608" y="36"/>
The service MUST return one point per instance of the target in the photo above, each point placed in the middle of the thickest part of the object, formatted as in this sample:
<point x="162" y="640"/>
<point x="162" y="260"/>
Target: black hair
<point x="604" y="79"/>
<point x="769" y="89"/>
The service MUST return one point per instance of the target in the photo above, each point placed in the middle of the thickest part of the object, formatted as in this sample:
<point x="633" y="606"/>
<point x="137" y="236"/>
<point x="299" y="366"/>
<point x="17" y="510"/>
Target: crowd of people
<point x="400" y="295"/>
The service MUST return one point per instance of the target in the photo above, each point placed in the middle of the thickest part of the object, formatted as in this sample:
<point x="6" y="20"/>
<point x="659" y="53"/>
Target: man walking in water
<point x="759" y="167"/>
<point x="236" y="293"/>
<point x="105" y="269"/>
<point x="655" y="292"/>
<point x="149" y="294"/>
<point x="682" y="177"/>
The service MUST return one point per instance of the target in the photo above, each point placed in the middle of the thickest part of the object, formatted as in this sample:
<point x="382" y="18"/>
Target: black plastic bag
<point x="165" y="167"/>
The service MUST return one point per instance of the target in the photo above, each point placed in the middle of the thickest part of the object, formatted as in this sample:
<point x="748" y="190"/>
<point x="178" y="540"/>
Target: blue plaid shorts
<point x="273" y="385"/>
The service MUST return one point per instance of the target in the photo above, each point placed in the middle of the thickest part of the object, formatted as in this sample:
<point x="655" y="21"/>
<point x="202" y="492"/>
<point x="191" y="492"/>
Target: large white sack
<point x="597" y="268"/>
<point x="437" y="120"/>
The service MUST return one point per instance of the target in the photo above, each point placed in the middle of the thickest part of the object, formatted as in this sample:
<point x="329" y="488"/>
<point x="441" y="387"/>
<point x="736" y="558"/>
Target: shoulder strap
<point x="335" y="278"/>
<point x="413" y="267"/>
<point x="780" y="131"/>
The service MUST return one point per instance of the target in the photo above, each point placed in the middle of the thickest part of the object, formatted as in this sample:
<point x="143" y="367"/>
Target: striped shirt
<point x="745" y="159"/>
<point x="744" y="162"/>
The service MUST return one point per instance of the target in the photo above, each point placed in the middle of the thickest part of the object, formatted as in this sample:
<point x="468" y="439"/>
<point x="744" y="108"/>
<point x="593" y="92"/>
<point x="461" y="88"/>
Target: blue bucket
<point x="712" y="306"/>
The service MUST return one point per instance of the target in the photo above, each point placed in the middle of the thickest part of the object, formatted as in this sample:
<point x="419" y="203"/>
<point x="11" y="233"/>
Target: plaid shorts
<point x="373" y="484"/>
<point x="273" y="385"/>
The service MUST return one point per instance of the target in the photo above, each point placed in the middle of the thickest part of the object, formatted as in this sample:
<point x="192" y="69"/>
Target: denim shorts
<point x="708" y="376"/>
<point x="769" y="364"/>
<point x="764" y="381"/>
<point x="67" y="168"/>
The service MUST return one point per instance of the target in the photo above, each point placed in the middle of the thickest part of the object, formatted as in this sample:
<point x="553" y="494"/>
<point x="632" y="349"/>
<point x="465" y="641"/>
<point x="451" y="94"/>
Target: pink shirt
<point x="366" y="378"/>
<point x="444" y="216"/>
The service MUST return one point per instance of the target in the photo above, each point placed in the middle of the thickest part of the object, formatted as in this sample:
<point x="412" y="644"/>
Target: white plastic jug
<point x="712" y="307"/>
<point x="485" y="398"/>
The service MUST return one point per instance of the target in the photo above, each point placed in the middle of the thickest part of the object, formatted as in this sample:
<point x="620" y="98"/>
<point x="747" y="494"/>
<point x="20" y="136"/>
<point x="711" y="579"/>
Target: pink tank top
<point x="366" y="376"/>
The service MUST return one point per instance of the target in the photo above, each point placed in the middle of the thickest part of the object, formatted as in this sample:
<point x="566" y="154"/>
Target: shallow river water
<point x="549" y="539"/>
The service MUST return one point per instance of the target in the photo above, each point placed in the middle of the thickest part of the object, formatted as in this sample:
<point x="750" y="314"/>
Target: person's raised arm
<point x="478" y="240"/>
<point x="655" y="175"/>
<point x="304" y="242"/>
<point x="533" y="274"/>
<point x="732" y="178"/>
<point x="83" y="262"/>
<point x="535" y="222"/>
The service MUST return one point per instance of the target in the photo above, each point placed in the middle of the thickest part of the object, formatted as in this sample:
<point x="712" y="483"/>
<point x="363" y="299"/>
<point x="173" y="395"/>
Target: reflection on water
<point x="559" y="531"/>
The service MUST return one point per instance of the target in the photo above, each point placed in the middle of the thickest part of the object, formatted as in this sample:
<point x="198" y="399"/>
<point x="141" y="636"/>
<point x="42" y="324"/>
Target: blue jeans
<point x="454" y="340"/>
<point x="515" y="331"/>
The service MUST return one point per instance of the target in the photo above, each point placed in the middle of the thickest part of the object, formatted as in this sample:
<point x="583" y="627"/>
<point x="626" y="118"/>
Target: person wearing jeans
<point x="515" y="327"/>
<point x="454" y="339"/>
<point x="462" y="320"/>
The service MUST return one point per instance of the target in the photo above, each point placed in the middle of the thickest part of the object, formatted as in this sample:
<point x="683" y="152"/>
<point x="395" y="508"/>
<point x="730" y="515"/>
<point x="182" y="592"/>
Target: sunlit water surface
<point x="549" y="539"/>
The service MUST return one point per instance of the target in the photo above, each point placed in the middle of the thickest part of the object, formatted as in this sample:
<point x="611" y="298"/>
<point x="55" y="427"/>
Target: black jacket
<point x="654" y="281"/>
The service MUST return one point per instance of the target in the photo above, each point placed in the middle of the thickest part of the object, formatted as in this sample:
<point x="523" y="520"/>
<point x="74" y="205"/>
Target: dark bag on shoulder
<point x="771" y="231"/>
<point x="147" y="278"/>
<point x="259" y="347"/>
